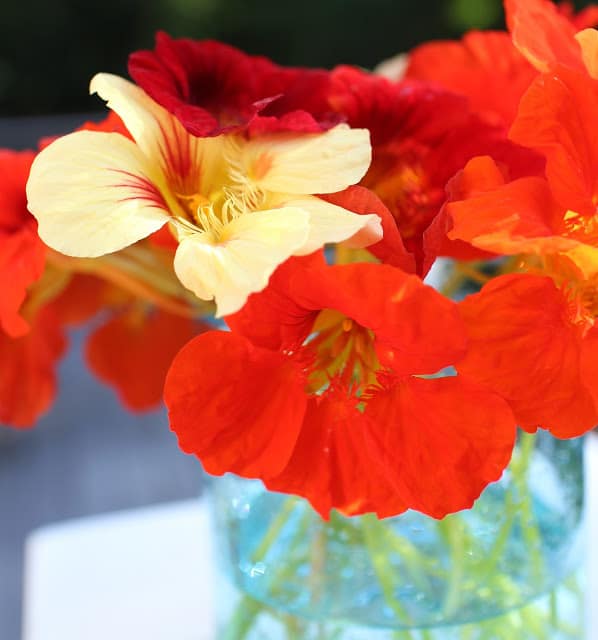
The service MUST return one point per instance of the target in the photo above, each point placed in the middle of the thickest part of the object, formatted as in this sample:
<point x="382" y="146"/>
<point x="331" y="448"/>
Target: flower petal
<point x="93" y="193"/>
<point x="524" y="347"/>
<point x="332" y="465"/>
<point x="442" y="441"/>
<point x="250" y="249"/>
<point x="329" y="223"/>
<point x="133" y="350"/>
<point x="309" y="163"/>
<point x="237" y="407"/>
<point x="27" y="374"/>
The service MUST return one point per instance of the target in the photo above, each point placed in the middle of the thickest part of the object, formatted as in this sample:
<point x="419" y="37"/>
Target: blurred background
<point x="88" y="455"/>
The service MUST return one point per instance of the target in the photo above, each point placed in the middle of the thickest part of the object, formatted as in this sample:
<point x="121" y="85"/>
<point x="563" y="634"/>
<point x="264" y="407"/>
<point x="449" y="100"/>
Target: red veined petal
<point x="523" y="346"/>
<point x="331" y="465"/>
<point x="27" y="374"/>
<point x="237" y="407"/>
<point x="133" y="350"/>
<point x="441" y="441"/>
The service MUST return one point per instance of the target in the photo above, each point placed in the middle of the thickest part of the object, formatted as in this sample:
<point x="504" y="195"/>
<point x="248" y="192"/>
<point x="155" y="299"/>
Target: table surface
<point x="148" y="573"/>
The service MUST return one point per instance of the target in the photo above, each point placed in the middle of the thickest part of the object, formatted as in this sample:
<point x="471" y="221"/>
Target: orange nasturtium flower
<point x="321" y="390"/>
<point x="239" y="207"/>
<point x="541" y="215"/>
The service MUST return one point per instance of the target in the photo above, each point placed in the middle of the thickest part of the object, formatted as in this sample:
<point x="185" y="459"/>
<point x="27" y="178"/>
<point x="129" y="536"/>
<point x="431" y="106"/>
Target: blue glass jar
<point x="505" y="569"/>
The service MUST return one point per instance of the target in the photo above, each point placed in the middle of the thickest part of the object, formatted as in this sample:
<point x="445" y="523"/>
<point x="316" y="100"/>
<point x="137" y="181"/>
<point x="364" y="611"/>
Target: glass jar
<point x="505" y="569"/>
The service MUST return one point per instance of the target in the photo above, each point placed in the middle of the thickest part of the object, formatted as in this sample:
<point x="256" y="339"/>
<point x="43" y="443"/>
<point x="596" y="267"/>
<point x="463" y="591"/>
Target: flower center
<point x="343" y="350"/>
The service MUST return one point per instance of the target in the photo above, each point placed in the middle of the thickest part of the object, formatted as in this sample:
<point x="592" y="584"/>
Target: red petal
<point x="239" y="408"/>
<point x="27" y="374"/>
<point x="22" y="261"/>
<point x="523" y="346"/>
<point x="331" y="465"/>
<point x="133" y="351"/>
<point x="442" y="441"/>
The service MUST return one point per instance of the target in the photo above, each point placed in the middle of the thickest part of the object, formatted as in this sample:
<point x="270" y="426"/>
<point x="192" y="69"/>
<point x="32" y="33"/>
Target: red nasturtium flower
<point x="421" y="136"/>
<point x="319" y="391"/>
<point x="213" y="88"/>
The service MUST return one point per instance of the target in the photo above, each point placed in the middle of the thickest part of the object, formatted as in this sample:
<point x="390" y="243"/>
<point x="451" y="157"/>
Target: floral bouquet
<point x="261" y="240"/>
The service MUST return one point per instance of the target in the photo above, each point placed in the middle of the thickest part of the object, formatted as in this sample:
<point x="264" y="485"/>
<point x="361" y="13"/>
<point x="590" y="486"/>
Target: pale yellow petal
<point x="329" y="223"/>
<point x="190" y="165"/>
<point x="93" y="193"/>
<point x="588" y="41"/>
<point x="309" y="163"/>
<point x="244" y="258"/>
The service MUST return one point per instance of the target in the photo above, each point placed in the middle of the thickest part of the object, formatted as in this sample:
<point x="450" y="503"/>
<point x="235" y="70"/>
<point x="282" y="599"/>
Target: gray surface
<point x="87" y="456"/>
<point x="24" y="133"/>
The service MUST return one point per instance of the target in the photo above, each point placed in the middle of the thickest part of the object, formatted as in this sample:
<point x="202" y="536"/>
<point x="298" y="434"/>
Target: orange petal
<point x="441" y="441"/>
<point x="484" y="66"/>
<point x="237" y="407"/>
<point x="557" y="117"/>
<point x="133" y="351"/>
<point x="27" y="374"/>
<point x="542" y="34"/>
<point x="524" y="346"/>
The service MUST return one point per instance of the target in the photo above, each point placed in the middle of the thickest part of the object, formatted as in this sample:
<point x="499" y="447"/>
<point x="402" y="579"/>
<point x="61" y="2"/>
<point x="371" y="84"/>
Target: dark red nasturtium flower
<point x="213" y="88"/>
<point x="322" y="389"/>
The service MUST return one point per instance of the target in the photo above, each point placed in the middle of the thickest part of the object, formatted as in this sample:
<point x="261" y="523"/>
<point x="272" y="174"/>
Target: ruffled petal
<point x="93" y="193"/>
<point x="523" y="345"/>
<point x="441" y="441"/>
<point x="243" y="258"/>
<point x="237" y="407"/>
<point x="133" y="350"/>
<point x="310" y="163"/>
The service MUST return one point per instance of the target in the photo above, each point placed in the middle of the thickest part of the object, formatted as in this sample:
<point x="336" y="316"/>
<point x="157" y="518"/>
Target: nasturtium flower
<point x="331" y="365"/>
<point x="534" y="340"/>
<point x="239" y="207"/>
<point x="213" y="88"/>
<point x="541" y="215"/>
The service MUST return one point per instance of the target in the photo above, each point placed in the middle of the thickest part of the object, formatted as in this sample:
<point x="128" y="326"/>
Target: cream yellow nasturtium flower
<point x="239" y="207"/>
